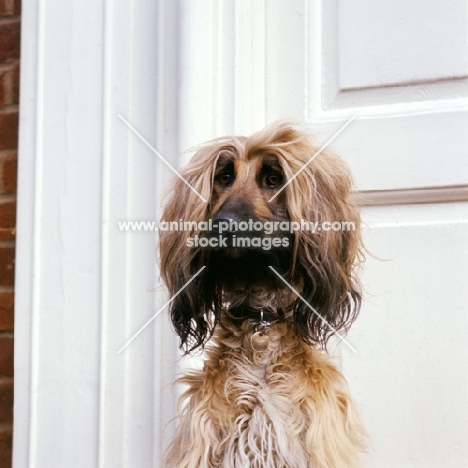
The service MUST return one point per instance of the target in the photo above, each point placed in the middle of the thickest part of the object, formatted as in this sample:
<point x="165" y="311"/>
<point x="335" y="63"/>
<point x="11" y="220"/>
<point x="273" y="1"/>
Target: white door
<point x="183" y="72"/>
<point x="401" y="68"/>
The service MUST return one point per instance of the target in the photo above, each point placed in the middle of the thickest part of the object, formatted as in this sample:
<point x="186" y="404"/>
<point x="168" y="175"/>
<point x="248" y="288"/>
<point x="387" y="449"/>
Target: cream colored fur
<point x="286" y="407"/>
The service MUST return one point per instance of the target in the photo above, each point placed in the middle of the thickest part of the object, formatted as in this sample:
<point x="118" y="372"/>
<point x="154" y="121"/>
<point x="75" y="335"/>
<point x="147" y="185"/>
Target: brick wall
<point x="9" y="94"/>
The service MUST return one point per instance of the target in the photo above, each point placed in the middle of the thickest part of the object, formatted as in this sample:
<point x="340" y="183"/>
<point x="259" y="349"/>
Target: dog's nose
<point x="230" y="215"/>
<point x="225" y="222"/>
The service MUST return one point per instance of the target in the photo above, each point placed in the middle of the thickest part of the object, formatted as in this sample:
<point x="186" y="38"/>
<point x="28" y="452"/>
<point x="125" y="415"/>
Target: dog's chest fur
<point x="286" y="406"/>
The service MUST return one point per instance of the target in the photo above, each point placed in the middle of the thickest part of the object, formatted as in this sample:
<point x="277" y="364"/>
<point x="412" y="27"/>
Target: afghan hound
<point x="261" y="294"/>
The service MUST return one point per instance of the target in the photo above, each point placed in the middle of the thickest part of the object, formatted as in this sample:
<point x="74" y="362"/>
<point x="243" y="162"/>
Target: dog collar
<point x="256" y="315"/>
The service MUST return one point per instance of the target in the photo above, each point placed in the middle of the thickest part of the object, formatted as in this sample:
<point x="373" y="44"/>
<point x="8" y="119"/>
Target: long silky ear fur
<point x="193" y="311"/>
<point x="324" y="263"/>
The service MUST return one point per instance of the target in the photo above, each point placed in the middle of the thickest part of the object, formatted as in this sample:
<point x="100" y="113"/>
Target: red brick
<point x="10" y="29"/>
<point x="6" y="83"/>
<point x="6" y="444"/>
<point x="5" y="86"/>
<point x="6" y="356"/>
<point x="8" y="220"/>
<point x="8" y="129"/>
<point x="7" y="266"/>
<point x="16" y="83"/>
<point x="7" y="7"/>
<point x="7" y="214"/>
<point x="10" y="26"/>
<point x="7" y="306"/>
<point x="6" y="401"/>
<point x="9" y="172"/>
<point x="9" y="82"/>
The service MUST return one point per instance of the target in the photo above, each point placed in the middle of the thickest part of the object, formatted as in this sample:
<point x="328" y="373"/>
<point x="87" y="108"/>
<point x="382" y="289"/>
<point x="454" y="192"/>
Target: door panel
<point x="409" y="374"/>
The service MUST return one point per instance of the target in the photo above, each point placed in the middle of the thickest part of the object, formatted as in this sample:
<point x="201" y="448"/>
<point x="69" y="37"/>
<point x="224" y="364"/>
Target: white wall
<point x="185" y="71"/>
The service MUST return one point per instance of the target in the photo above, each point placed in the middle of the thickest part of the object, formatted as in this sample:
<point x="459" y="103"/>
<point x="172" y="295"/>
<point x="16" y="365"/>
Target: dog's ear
<point x="191" y="309"/>
<point x="325" y="261"/>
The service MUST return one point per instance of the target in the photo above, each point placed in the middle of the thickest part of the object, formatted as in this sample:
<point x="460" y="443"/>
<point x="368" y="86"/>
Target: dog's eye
<point x="224" y="179"/>
<point x="273" y="180"/>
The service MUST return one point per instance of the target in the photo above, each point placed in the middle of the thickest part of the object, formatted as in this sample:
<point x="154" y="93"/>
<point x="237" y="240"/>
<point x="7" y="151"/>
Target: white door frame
<point x="82" y="286"/>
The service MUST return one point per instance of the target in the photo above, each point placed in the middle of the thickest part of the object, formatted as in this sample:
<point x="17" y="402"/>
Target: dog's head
<point x="244" y="181"/>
